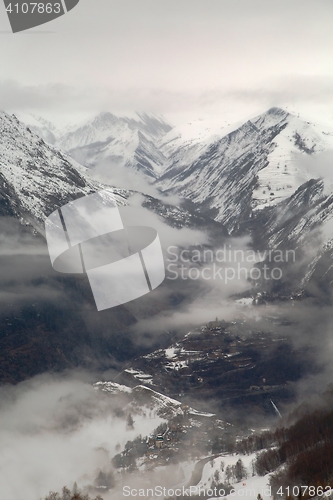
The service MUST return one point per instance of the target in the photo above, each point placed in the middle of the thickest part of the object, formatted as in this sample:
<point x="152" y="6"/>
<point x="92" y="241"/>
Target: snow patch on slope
<point x="285" y="171"/>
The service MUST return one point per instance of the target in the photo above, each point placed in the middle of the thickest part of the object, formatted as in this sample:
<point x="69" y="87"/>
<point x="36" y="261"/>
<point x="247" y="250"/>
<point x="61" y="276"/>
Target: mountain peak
<point x="277" y="111"/>
<point x="272" y="115"/>
<point x="271" y="118"/>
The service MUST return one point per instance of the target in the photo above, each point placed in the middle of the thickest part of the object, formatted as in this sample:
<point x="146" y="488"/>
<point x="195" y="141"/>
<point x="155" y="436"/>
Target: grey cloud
<point x="72" y="103"/>
<point x="57" y="430"/>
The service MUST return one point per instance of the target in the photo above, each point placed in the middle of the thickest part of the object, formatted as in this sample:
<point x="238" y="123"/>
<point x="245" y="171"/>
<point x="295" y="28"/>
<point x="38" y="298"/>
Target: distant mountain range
<point x="255" y="178"/>
<point x="231" y="172"/>
<point x="111" y="141"/>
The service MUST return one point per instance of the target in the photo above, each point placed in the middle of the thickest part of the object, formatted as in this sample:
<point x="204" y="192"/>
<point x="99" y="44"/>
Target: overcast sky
<point x="181" y="58"/>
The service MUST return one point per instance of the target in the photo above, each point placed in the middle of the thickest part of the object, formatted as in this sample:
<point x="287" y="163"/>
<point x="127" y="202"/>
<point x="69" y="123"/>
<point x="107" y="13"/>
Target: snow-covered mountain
<point x="228" y="172"/>
<point x="35" y="177"/>
<point x="114" y="143"/>
<point x="256" y="178"/>
<point x="255" y="166"/>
